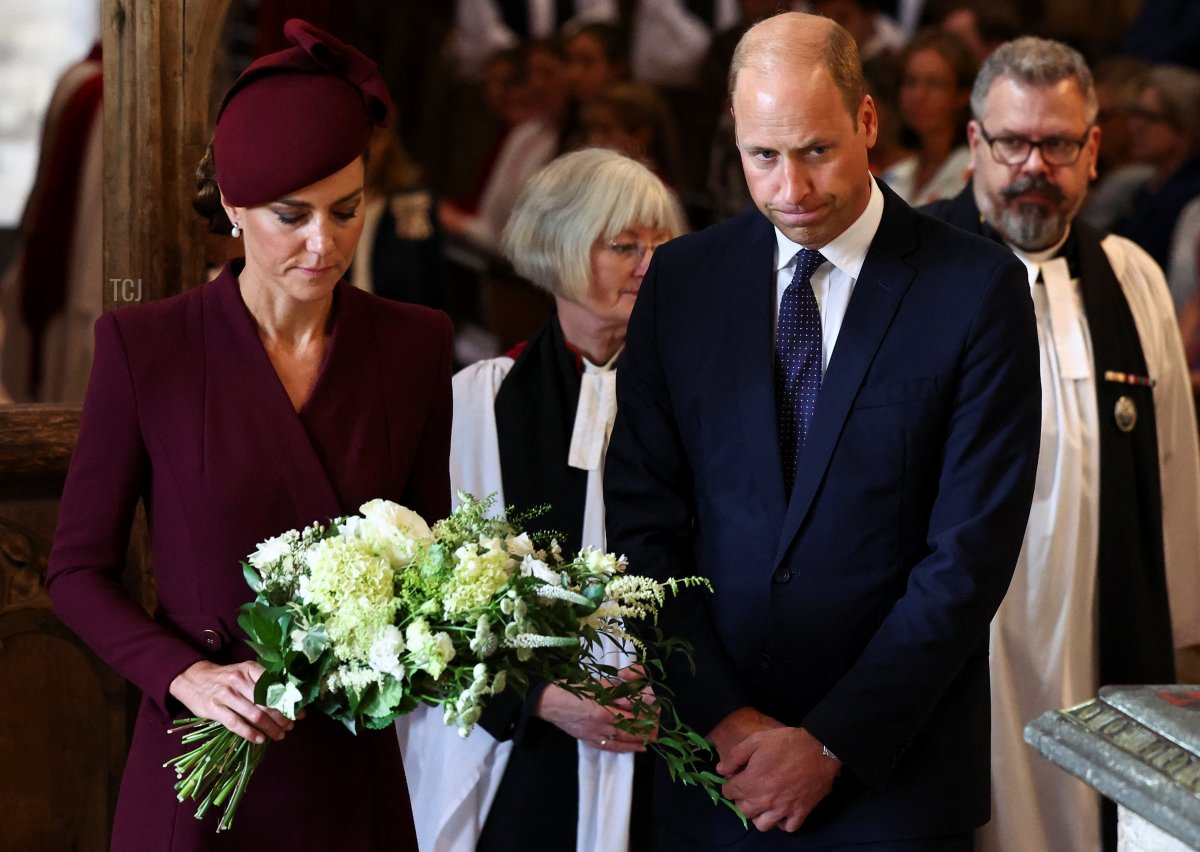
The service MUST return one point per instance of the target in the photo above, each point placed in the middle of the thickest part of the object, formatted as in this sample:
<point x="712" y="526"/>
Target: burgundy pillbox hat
<point x="296" y="117"/>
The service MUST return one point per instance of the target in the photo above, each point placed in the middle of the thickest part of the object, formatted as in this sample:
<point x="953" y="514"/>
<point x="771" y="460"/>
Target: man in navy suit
<point x="841" y="662"/>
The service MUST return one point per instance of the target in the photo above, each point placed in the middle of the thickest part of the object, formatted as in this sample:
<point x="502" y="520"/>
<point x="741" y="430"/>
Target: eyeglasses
<point x="628" y="251"/>
<point x="1015" y="150"/>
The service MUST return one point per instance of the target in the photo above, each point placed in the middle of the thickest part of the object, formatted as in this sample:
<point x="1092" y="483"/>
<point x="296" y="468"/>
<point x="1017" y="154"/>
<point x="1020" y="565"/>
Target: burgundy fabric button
<point x="212" y="639"/>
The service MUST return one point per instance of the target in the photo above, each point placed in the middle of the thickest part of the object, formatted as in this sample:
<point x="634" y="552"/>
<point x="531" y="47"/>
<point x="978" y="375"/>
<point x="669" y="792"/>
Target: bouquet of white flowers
<point x="368" y="617"/>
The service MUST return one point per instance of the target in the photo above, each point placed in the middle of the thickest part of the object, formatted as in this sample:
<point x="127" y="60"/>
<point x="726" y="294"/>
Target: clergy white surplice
<point x="1043" y="638"/>
<point x="452" y="781"/>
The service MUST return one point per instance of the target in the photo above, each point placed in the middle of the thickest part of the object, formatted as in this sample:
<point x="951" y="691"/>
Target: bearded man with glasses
<point x="1108" y="581"/>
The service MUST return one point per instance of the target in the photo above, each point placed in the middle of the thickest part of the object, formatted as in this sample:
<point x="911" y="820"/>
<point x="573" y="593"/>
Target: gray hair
<point x="1033" y="61"/>
<point x="579" y="198"/>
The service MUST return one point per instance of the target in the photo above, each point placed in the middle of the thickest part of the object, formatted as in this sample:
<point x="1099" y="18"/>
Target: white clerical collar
<point x="594" y="415"/>
<point x="848" y="250"/>
<point x="589" y="367"/>
<point x="1068" y="325"/>
<point x="1034" y="259"/>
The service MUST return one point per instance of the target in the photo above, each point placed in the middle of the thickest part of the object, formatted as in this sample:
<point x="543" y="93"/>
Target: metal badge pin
<point x="1125" y="413"/>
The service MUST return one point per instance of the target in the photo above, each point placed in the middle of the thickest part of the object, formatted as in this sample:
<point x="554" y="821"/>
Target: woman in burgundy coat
<point x="274" y="396"/>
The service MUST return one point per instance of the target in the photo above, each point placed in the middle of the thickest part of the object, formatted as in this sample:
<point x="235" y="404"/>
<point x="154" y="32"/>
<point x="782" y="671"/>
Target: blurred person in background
<point x="536" y="99"/>
<point x="983" y="25"/>
<point x="483" y="27"/>
<point x="53" y="291"/>
<point x="875" y="33"/>
<point x="670" y="38"/>
<point x="632" y="118"/>
<point x="399" y="254"/>
<point x="883" y="85"/>
<point x="1165" y="125"/>
<point x="1118" y="83"/>
<point x="597" y="57"/>
<point x="938" y="70"/>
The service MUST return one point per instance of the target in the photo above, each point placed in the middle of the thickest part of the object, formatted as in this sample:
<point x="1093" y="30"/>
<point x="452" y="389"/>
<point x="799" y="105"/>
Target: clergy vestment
<point x="1046" y="637"/>
<point x="494" y="450"/>
<point x="185" y="412"/>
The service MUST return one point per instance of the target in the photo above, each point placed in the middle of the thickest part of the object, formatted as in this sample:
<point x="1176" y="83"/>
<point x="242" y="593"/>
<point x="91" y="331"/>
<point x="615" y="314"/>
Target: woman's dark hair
<point x="207" y="200"/>
<point x="963" y="63"/>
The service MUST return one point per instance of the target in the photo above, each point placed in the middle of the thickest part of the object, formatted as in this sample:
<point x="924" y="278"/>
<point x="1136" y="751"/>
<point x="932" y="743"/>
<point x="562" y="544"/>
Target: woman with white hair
<point x="548" y="771"/>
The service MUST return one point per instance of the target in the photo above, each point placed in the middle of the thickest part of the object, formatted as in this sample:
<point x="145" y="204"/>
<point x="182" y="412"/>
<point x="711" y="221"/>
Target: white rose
<point x="393" y="531"/>
<point x="599" y="562"/>
<point x="393" y="514"/>
<point x="519" y="546"/>
<point x="269" y="552"/>
<point x="531" y="566"/>
<point x="386" y="650"/>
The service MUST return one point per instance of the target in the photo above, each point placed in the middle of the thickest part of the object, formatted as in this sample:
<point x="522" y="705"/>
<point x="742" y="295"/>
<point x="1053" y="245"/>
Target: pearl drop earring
<point x="236" y="231"/>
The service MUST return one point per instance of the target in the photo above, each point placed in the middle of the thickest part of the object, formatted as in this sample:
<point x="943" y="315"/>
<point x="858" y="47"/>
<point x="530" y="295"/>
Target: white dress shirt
<point x="833" y="282"/>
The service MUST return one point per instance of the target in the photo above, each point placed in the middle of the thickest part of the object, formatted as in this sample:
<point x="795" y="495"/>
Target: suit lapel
<point x="244" y="394"/>
<point x="884" y="279"/>
<point x="751" y="312"/>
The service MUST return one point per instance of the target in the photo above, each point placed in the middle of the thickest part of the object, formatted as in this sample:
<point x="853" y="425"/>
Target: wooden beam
<point x="37" y="446"/>
<point x="158" y="68"/>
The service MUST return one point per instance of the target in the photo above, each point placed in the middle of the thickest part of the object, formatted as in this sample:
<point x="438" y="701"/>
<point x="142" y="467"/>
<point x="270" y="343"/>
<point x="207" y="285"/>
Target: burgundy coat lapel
<point x="243" y="394"/>
<point x="353" y="440"/>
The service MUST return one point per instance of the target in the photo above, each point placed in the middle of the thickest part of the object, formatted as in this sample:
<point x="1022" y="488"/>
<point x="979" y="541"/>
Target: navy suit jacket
<point x="858" y="605"/>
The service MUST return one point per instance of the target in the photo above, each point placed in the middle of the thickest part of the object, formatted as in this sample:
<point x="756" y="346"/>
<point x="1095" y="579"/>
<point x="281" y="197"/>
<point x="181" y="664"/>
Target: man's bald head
<point x="794" y="41"/>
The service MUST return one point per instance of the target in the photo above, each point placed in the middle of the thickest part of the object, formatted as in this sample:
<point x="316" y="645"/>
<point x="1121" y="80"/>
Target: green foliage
<point x="475" y="609"/>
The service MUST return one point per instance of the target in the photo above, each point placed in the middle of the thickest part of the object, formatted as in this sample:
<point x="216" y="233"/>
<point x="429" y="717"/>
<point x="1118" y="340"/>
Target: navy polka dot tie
<point x="797" y="361"/>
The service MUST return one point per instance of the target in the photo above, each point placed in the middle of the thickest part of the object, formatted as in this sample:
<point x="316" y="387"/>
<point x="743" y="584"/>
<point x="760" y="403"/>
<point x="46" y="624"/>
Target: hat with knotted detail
<point x="297" y="116"/>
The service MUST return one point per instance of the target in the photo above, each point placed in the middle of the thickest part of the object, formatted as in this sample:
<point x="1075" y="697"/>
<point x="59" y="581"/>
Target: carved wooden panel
<point x="64" y="723"/>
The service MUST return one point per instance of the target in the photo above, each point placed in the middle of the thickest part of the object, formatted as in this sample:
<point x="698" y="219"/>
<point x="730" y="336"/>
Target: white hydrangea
<point x="481" y="568"/>
<point x="353" y="589"/>
<point x="358" y="678"/>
